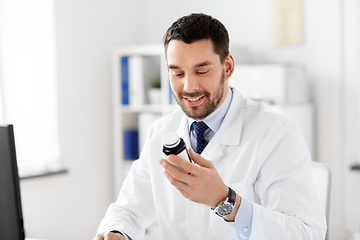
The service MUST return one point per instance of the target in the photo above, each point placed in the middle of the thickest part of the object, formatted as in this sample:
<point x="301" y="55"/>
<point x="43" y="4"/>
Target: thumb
<point x="198" y="159"/>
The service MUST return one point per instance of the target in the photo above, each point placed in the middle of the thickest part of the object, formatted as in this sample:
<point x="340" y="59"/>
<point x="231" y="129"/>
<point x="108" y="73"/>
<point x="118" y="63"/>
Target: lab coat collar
<point x="230" y="129"/>
<point x="229" y="132"/>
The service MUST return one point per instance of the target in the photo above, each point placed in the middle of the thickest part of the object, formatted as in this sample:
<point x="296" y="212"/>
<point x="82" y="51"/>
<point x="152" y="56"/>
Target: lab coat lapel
<point x="229" y="132"/>
<point x="183" y="131"/>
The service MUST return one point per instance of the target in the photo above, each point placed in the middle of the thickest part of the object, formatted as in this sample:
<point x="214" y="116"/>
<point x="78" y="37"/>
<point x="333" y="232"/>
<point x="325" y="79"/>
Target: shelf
<point x="134" y="70"/>
<point x="42" y="173"/>
<point x="149" y="108"/>
<point x="355" y="166"/>
<point x="143" y="50"/>
<point x="141" y="108"/>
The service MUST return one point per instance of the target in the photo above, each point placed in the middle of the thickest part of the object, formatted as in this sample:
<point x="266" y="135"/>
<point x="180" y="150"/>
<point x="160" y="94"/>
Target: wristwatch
<point x="225" y="208"/>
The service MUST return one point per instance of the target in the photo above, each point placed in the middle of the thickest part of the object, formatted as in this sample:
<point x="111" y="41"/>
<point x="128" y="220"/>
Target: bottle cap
<point x="170" y="139"/>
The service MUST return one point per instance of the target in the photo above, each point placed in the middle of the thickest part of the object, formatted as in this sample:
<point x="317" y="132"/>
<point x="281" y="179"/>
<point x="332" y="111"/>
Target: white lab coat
<point x="259" y="154"/>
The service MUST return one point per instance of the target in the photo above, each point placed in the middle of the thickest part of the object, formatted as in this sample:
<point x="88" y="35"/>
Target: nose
<point x="190" y="84"/>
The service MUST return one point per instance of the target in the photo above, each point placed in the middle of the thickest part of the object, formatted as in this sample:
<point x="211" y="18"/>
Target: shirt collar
<point x="215" y="119"/>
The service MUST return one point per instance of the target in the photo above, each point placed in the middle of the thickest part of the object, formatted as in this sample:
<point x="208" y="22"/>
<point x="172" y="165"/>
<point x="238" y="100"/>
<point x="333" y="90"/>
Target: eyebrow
<point x="173" y="67"/>
<point x="202" y="64"/>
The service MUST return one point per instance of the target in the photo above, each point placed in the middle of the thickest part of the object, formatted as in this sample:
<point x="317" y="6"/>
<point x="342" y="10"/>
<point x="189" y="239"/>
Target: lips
<point x="194" y="101"/>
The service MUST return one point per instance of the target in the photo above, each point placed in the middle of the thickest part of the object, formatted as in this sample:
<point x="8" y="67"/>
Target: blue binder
<point x="131" y="144"/>
<point x="125" y="80"/>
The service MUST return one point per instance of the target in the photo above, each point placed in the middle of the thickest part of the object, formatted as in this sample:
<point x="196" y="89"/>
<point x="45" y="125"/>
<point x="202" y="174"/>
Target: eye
<point x="178" y="74"/>
<point x="202" y="72"/>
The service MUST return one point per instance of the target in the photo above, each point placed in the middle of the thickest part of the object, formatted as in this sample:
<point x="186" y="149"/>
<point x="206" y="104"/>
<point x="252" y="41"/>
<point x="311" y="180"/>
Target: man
<point x="252" y="175"/>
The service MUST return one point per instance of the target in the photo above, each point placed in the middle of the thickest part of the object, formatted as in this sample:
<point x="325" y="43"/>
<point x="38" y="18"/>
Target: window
<point x="28" y="97"/>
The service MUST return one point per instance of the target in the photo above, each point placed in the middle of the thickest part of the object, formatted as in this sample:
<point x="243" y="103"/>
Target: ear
<point x="229" y="65"/>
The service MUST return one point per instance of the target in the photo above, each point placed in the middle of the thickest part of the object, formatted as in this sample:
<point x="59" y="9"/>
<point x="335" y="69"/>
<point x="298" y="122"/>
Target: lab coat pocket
<point x="221" y="229"/>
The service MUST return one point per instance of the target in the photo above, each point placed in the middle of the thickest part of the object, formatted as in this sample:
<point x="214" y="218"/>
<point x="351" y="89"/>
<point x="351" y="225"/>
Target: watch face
<point x="224" y="209"/>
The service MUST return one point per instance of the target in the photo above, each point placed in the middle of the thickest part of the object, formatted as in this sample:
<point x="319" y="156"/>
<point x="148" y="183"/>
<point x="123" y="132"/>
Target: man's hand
<point x="203" y="183"/>
<point x="109" y="236"/>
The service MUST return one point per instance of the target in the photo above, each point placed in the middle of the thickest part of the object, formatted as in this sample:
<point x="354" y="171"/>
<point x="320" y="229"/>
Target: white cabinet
<point x="285" y="89"/>
<point x="134" y="70"/>
<point x="272" y="83"/>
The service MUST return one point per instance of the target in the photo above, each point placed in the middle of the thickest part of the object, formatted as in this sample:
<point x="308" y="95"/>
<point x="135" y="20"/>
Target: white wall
<point x="351" y="111"/>
<point x="70" y="206"/>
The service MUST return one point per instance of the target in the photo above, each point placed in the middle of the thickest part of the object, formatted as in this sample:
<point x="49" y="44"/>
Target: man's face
<point x="197" y="76"/>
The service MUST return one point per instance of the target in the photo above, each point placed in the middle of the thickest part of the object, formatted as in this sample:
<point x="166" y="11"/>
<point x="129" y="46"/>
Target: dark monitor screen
<point x="11" y="220"/>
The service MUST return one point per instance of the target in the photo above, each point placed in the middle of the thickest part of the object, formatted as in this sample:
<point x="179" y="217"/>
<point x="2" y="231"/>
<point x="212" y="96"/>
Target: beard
<point x="209" y="105"/>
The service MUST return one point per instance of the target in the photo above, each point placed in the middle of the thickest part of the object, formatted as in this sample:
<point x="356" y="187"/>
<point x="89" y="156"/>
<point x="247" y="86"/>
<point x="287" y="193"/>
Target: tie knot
<point x="200" y="128"/>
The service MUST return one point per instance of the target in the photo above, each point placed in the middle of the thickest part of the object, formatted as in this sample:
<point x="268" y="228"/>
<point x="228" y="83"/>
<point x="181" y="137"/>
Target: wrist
<point x="221" y="197"/>
<point x="231" y="217"/>
<point x="226" y="207"/>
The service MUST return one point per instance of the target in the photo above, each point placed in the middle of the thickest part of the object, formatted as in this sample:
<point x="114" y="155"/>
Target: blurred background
<point x="74" y="54"/>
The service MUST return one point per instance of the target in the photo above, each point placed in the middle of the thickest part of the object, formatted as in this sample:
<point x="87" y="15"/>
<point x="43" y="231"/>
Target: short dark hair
<point x="199" y="26"/>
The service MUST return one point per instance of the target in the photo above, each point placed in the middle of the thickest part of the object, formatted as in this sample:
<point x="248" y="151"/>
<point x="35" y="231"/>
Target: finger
<point x="107" y="236"/>
<point x="180" y="164"/>
<point x="113" y="236"/>
<point x="187" y="166"/>
<point x="197" y="158"/>
<point x="99" y="237"/>
<point x="175" y="171"/>
<point x="167" y="165"/>
<point x="180" y="185"/>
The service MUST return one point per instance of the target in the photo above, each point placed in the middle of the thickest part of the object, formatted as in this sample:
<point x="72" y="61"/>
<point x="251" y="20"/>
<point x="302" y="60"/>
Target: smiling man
<point x="197" y="76"/>
<point x="252" y="175"/>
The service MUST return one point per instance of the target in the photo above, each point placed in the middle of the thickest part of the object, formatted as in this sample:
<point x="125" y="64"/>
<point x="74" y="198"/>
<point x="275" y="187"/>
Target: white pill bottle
<point x="173" y="144"/>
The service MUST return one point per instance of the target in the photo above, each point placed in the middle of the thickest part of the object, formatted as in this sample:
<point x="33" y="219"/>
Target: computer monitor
<point x="11" y="220"/>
